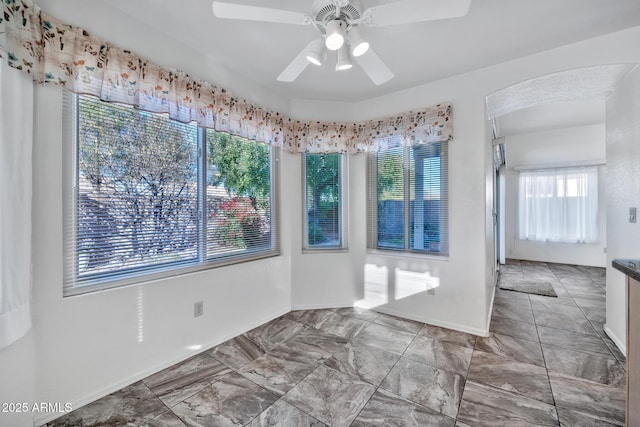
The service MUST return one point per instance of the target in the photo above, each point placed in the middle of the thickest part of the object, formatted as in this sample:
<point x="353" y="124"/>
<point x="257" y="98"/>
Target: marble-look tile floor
<point x="547" y="362"/>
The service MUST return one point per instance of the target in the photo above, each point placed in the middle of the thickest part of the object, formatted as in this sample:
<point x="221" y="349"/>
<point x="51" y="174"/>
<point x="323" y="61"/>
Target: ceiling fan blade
<point x="256" y="13"/>
<point x="409" y="11"/>
<point x="296" y="67"/>
<point x="377" y="70"/>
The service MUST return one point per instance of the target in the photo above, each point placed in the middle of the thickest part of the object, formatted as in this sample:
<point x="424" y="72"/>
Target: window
<point x="151" y="197"/>
<point x="238" y="195"/>
<point x="322" y="201"/>
<point x="408" y="199"/>
<point x="559" y="205"/>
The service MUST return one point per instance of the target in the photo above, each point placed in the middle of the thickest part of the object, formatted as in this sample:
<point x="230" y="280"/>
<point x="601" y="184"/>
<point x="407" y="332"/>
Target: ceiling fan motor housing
<point x="324" y="11"/>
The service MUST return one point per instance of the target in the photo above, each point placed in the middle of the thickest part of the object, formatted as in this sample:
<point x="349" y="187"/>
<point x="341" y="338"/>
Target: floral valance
<point x="54" y="52"/>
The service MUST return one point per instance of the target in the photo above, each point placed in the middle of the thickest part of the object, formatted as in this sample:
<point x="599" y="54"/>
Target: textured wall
<point x="623" y="192"/>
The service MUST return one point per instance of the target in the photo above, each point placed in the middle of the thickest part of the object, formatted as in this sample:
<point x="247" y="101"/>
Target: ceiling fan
<point x="338" y="23"/>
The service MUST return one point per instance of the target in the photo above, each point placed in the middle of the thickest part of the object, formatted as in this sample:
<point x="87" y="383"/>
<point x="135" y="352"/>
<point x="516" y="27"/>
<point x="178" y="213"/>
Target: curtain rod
<point x="560" y="165"/>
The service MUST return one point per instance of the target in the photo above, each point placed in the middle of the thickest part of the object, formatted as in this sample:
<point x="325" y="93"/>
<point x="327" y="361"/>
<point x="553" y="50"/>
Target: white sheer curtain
<point x="16" y="132"/>
<point x="559" y="205"/>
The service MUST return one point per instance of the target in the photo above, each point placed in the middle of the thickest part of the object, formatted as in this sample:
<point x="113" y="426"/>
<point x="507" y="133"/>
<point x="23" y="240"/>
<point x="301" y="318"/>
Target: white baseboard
<point x="435" y="322"/>
<point x="493" y="297"/>
<point x="321" y="306"/>
<point x="454" y="326"/>
<point x="113" y="387"/>
<point x="618" y="342"/>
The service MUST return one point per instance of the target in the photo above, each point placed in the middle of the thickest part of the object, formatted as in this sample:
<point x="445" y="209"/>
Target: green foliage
<point x="316" y="235"/>
<point x="323" y="175"/>
<point x="391" y="169"/>
<point x="238" y="224"/>
<point x="390" y="175"/>
<point x="228" y="232"/>
<point x="242" y="167"/>
<point x="138" y="201"/>
<point x="323" y="195"/>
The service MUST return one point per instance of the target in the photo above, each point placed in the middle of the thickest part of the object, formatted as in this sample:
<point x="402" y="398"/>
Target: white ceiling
<point x="494" y="31"/>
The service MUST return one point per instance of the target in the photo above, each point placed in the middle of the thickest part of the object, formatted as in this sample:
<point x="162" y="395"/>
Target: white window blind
<point x="323" y="207"/>
<point x="408" y="199"/>
<point x="559" y="205"/>
<point x="238" y="195"/>
<point x="150" y="197"/>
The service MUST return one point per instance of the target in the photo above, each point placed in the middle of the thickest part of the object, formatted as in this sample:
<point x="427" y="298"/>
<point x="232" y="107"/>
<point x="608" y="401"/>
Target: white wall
<point x="623" y="192"/>
<point x="330" y="111"/>
<point x="490" y="228"/>
<point x="462" y="301"/>
<point x="93" y="344"/>
<point x="330" y="279"/>
<point x="19" y="373"/>
<point x="576" y="144"/>
<point x="83" y="347"/>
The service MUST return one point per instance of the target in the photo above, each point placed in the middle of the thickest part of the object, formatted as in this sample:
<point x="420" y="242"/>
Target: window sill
<point x="560" y="242"/>
<point x="314" y="251"/>
<point x="412" y="255"/>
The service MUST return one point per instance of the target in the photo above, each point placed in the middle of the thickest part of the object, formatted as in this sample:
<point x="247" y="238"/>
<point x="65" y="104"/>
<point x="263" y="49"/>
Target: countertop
<point x="630" y="267"/>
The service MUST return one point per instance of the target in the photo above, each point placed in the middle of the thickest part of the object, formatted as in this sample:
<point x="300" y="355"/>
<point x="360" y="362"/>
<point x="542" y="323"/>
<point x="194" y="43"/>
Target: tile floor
<point x="546" y="362"/>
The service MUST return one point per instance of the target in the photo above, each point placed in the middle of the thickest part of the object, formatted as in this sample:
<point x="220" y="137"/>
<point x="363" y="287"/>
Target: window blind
<point x="408" y="198"/>
<point x="323" y="207"/>
<point x="136" y="190"/>
<point x="238" y="195"/>
<point x="147" y="196"/>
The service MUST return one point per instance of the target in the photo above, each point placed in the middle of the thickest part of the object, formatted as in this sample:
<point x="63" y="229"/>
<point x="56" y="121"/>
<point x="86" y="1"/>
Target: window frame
<point x="372" y="204"/>
<point x="73" y="284"/>
<point x="342" y="246"/>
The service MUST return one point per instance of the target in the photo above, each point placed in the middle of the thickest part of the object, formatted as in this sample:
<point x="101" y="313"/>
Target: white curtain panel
<point x="559" y="205"/>
<point x="16" y="135"/>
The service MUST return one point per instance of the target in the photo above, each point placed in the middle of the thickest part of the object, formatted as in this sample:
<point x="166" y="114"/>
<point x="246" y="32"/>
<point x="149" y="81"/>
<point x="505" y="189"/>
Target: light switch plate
<point x="632" y="215"/>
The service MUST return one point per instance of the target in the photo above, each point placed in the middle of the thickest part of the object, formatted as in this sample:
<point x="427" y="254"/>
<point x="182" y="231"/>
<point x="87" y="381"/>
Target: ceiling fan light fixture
<point x="344" y="59"/>
<point x="359" y="46"/>
<point x="336" y="31"/>
<point x="317" y="52"/>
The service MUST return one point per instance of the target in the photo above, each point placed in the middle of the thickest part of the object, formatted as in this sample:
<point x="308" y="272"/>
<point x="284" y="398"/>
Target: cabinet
<point x="633" y="352"/>
<point x="632" y="269"/>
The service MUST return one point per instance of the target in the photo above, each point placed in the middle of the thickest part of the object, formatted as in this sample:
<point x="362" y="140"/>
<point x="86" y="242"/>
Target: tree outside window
<point x="151" y="194"/>
<point x="322" y="188"/>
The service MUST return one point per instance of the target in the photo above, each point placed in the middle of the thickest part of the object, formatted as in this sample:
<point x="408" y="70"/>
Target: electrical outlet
<point x="198" y="309"/>
<point x="632" y="215"/>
